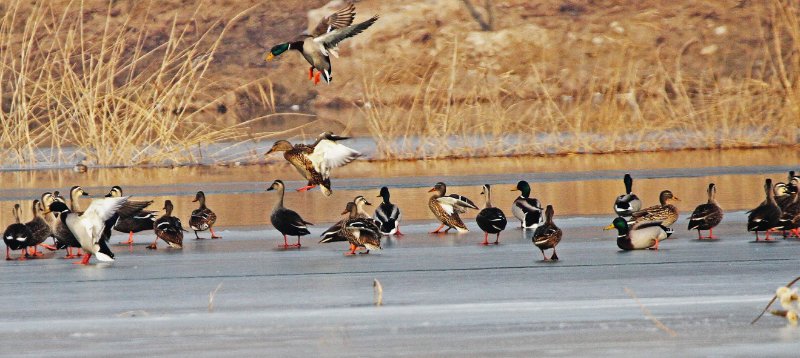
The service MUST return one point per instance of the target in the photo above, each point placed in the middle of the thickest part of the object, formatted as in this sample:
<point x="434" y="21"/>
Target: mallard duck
<point x="88" y="226"/>
<point x="447" y="208"/>
<point x="130" y="218"/>
<point x="315" y="162"/>
<point x="360" y="232"/>
<point x="766" y="217"/>
<point x="790" y="216"/>
<point x="783" y="194"/>
<point x="168" y="228"/>
<point x="628" y="203"/>
<point x="286" y="221"/>
<point x="706" y="216"/>
<point x="528" y="210"/>
<point x="16" y="236"/>
<point x="793" y="184"/>
<point x="333" y="232"/>
<point x="202" y="218"/>
<point x="665" y="213"/>
<point x="58" y="197"/>
<point x="548" y="235"/>
<point x="639" y="236"/>
<point x="388" y="215"/>
<point x="318" y="45"/>
<point x="490" y="219"/>
<point x="39" y="229"/>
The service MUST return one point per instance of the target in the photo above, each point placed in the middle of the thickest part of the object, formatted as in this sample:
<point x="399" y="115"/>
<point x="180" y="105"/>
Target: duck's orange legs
<point x="306" y="188"/>
<point x="437" y="229"/>
<point x="84" y="260"/>
<point x="130" y="240"/>
<point x="485" y="239"/>
<point x="286" y="243"/>
<point x="352" y="250"/>
<point x="213" y="235"/>
<point x="316" y="78"/>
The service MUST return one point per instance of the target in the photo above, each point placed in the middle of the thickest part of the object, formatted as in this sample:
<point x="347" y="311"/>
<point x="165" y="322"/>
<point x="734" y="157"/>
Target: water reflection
<point x="237" y="194"/>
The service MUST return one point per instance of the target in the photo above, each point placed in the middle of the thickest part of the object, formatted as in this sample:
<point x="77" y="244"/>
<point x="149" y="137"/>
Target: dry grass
<point x="119" y="99"/>
<point x="633" y="99"/>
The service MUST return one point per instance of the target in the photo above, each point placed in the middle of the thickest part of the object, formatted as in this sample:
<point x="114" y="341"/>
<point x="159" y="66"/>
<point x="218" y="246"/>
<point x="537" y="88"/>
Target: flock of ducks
<point x="637" y="227"/>
<point x="90" y="230"/>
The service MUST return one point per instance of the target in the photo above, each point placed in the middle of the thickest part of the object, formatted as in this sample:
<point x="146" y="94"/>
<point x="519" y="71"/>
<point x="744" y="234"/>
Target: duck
<point x="528" y="210"/>
<point x="287" y="221"/>
<point x="628" y="203"/>
<point x="75" y="193"/>
<point x="87" y="227"/>
<point x="333" y="233"/>
<point x="168" y="228"/>
<point x="388" y="215"/>
<point x="793" y="185"/>
<point x="706" y="216"/>
<point x="58" y="197"/>
<point x="202" y="218"/>
<point x="447" y="207"/>
<point x="784" y="194"/>
<point x="490" y="219"/>
<point x="130" y="218"/>
<point x="315" y="162"/>
<point x="16" y="236"/>
<point x="781" y="193"/>
<point x="790" y="216"/>
<point x="360" y="232"/>
<point x="62" y="234"/>
<point x="765" y="217"/>
<point x="645" y="235"/>
<point x="317" y="46"/>
<point x="39" y="229"/>
<point x="665" y="213"/>
<point x="548" y="235"/>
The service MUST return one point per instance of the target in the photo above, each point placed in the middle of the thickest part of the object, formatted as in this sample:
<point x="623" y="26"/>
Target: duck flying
<point x="318" y="45"/>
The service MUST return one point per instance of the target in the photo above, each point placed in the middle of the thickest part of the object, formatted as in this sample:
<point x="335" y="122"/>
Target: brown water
<point x="575" y="185"/>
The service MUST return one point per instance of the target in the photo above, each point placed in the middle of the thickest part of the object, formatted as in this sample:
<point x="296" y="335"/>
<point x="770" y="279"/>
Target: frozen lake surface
<point x="443" y="296"/>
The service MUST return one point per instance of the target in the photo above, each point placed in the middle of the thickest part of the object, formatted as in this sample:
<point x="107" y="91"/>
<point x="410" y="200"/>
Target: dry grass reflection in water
<point x="575" y="185"/>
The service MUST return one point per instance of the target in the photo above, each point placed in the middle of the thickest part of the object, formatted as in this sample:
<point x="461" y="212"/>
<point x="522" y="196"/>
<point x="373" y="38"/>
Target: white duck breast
<point x="88" y="227"/>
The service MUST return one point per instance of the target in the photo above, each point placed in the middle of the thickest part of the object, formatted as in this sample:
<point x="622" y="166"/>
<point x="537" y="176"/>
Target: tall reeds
<point x="128" y="96"/>
<point x="626" y="103"/>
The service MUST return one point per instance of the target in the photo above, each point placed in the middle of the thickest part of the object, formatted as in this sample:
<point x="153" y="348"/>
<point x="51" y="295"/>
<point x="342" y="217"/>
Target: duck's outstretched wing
<point x="340" y="19"/>
<point x="331" y="39"/>
<point x="329" y="154"/>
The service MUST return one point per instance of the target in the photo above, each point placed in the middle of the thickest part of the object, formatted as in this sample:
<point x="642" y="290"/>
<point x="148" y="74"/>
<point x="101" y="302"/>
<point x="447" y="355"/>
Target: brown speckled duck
<point x="168" y="228"/>
<point x="706" y="216"/>
<point x="447" y="207"/>
<point x="314" y="162"/>
<point x="203" y="218"/>
<point x="548" y="235"/>
<point x="665" y="212"/>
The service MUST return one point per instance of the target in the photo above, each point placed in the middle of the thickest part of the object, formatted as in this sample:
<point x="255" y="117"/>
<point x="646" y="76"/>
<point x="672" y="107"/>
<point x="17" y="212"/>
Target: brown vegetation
<point x="153" y="80"/>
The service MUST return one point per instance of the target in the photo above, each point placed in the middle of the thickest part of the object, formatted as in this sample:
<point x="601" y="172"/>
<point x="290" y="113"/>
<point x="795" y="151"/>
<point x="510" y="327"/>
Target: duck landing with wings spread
<point x="315" y="161"/>
<point x="322" y="42"/>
